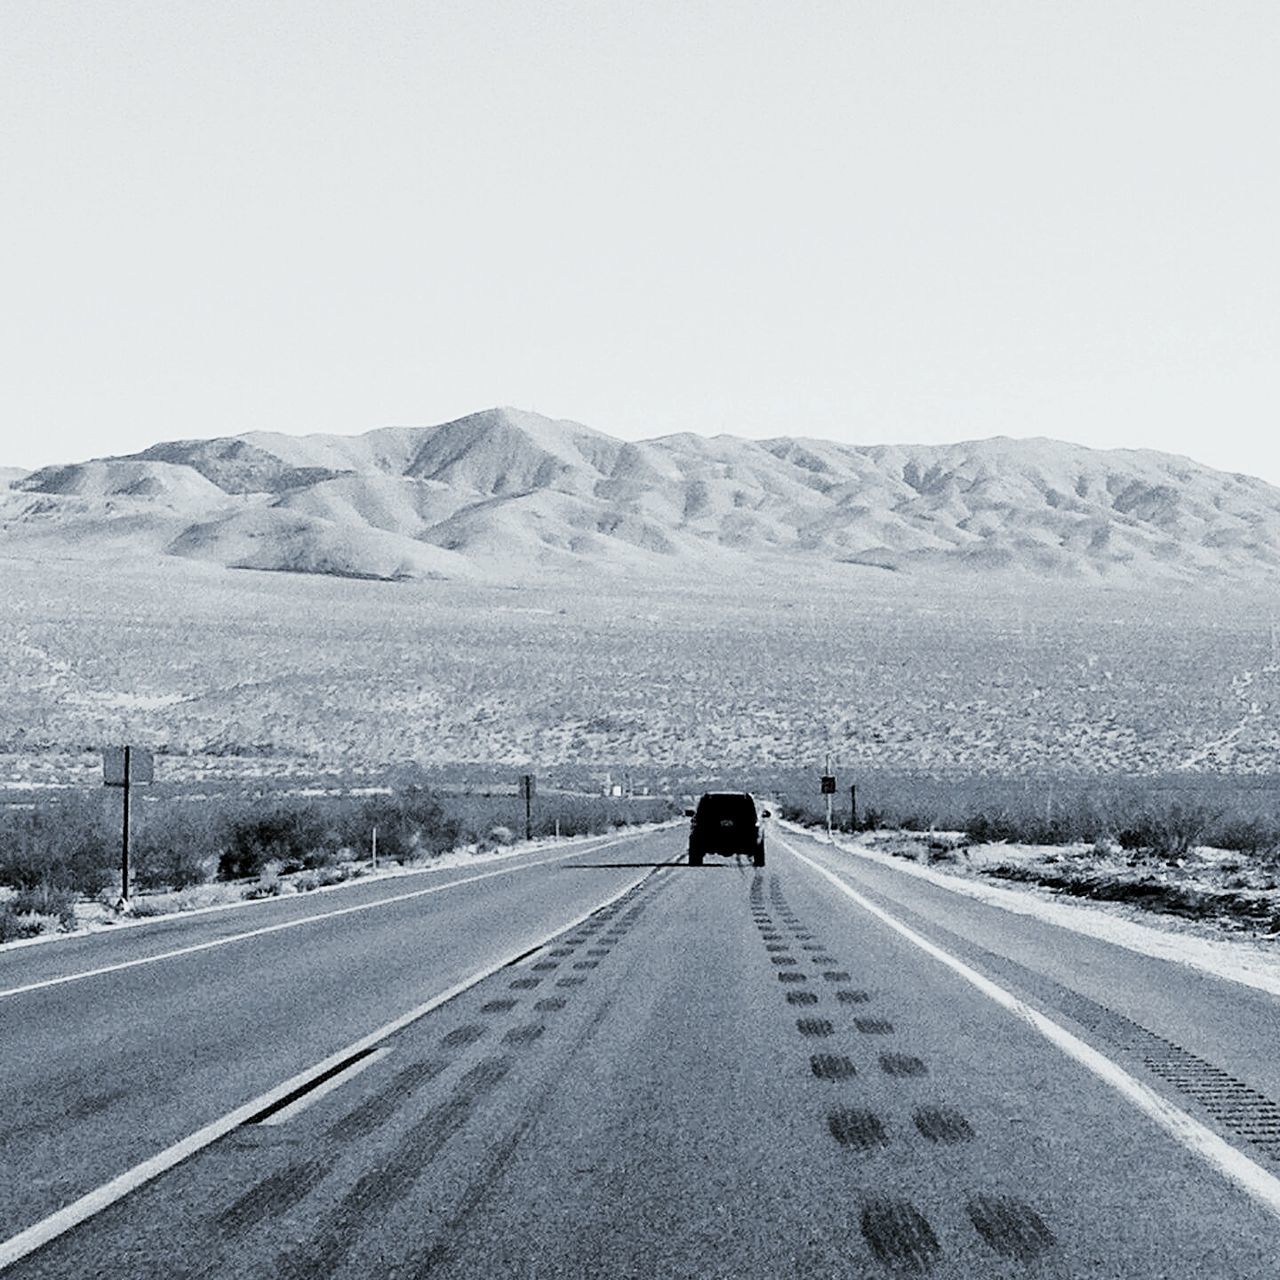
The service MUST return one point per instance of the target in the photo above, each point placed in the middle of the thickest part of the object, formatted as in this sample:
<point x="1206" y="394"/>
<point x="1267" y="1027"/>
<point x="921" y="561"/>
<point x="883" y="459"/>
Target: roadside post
<point x="853" y="806"/>
<point x="375" y="846"/>
<point x="528" y="788"/>
<point x="123" y="767"/>
<point x="828" y="790"/>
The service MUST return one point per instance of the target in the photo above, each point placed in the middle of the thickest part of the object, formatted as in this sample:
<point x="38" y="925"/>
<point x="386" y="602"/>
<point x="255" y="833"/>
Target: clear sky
<point x="874" y="221"/>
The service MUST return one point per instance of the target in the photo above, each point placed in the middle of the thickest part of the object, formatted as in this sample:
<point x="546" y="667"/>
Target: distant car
<point x="726" y="823"/>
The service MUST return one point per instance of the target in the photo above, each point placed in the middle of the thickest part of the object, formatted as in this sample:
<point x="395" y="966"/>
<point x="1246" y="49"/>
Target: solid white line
<point x="1196" y="1137"/>
<point x="335" y="1081"/>
<point x="304" y="920"/>
<point x="41" y="1233"/>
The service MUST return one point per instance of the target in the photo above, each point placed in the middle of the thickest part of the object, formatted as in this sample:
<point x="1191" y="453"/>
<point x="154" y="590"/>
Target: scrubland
<point x="1012" y="709"/>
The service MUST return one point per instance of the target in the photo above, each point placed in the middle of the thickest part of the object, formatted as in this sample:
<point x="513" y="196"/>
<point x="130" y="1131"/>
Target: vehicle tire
<point x="695" y="859"/>
<point x="759" y="858"/>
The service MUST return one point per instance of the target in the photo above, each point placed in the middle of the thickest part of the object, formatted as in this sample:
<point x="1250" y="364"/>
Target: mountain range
<point x="505" y="492"/>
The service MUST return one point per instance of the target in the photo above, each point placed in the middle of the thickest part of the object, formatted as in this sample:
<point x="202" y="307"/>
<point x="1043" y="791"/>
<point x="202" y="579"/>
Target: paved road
<point x="724" y="1073"/>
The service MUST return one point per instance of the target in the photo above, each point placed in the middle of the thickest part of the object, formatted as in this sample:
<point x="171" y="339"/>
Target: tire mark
<point x="377" y="1110"/>
<point x="902" y="1064"/>
<point x="378" y="1189"/>
<point x="1013" y="1229"/>
<point x="273" y="1195"/>
<point x="854" y="1127"/>
<point x="899" y="1235"/>
<point x="943" y="1124"/>
<point x="831" y="1066"/>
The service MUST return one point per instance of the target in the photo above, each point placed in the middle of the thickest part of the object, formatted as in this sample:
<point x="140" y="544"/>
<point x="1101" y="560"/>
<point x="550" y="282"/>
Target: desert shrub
<point x="164" y="865"/>
<point x="16" y="925"/>
<point x="411" y="824"/>
<point x="1170" y="833"/>
<point x="64" y="844"/>
<point x="47" y="900"/>
<point x="291" y="837"/>
<point x="269" y="883"/>
<point x="1245" y="835"/>
<point x="147" y="908"/>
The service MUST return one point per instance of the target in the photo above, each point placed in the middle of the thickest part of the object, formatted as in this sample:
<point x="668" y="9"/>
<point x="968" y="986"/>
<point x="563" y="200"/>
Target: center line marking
<point x="1184" y="1129"/>
<point x="335" y="1081"/>
<point x="93" y="1202"/>
<point x="297" y="924"/>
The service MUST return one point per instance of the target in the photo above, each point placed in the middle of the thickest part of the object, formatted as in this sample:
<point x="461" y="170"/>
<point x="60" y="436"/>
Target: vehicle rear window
<point x="738" y="808"/>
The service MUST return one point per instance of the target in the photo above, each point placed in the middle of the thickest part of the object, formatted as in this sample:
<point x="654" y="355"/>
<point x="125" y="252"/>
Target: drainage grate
<point x="831" y="1066"/>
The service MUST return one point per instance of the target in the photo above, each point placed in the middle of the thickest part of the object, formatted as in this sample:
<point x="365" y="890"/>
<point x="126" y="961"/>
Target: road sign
<point x="828" y="784"/>
<point x="142" y="766"/>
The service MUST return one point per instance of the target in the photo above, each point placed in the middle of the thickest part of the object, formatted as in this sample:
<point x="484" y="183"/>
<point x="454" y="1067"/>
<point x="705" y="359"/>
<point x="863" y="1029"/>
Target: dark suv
<point x="726" y="823"/>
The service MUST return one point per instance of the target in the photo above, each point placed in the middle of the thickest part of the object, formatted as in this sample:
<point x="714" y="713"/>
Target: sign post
<point x="828" y="790"/>
<point x="528" y="787"/>
<point x="122" y="767"/>
<point x="853" y="806"/>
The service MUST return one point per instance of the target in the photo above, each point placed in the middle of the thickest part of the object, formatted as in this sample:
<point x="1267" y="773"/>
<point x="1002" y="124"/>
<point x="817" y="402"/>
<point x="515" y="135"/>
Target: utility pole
<point x="124" y="839"/>
<point x="528" y="784"/>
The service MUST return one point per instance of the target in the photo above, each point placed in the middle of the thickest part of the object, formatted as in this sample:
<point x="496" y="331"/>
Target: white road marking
<point x="41" y="1233"/>
<point x="304" y="920"/>
<point x="1196" y="1137"/>
<point x="335" y="1081"/>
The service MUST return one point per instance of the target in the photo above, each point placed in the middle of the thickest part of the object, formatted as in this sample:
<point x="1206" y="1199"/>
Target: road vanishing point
<point x="594" y="1060"/>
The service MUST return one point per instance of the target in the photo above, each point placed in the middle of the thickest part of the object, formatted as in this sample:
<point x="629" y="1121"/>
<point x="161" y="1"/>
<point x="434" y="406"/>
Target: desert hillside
<point x="504" y="491"/>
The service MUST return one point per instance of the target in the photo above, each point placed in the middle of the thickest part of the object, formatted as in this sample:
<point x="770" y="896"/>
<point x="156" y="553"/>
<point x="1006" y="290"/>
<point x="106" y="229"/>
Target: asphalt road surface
<point x="823" y="1068"/>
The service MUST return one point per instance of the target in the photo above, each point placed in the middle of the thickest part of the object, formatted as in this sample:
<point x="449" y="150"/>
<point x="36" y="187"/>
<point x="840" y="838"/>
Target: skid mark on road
<point x="899" y="1235"/>
<point x="1013" y="1229"/>
<point x="858" y="1128"/>
<point x="942" y="1124"/>
<point x="896" y="1232"/>
<point x="832" y="1066"/>
<point x="902" y="1064"/>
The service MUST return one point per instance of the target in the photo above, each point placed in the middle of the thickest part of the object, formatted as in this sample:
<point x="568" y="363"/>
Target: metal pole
<point x="124" y="839"/>
<point x="528" y="807"/>
<point x="827" y="771"/>
<point x="375" y="847"/>
<point x="853" y="806"/>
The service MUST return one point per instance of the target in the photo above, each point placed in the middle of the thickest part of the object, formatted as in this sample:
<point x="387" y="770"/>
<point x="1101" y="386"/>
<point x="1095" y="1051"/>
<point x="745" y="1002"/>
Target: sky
<point x="908" y="220"/>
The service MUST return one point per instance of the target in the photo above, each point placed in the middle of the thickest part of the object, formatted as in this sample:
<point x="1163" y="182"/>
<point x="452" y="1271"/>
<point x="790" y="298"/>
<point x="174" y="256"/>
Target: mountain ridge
<point x="501" y="491"/>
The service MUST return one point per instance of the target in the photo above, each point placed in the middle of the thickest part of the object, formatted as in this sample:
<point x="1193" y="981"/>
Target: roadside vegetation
<point x="1177" y="851"/>
<point x="58" y="855"/>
